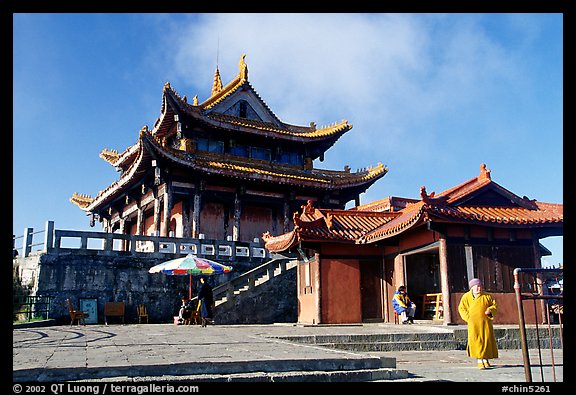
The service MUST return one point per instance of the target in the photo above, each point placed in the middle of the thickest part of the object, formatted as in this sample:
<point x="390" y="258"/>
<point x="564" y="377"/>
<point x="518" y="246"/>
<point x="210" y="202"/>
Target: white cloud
<point x="391" y="75"/>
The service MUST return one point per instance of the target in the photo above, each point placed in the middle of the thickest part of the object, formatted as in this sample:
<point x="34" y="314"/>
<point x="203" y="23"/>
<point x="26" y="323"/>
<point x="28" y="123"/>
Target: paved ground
<point x="455" y="366"/>
<point x="139" y="352"/>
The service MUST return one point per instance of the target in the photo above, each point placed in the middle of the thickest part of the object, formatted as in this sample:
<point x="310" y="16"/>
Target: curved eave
<point x="283" y="242"/>
<point x="264" y="171"/>
<point x="173" y="104"/>
<point x="135" y="172"/>
<point x="126" y="158"/>
<point x="290" y="132"/>
<point x="407" y="219"/>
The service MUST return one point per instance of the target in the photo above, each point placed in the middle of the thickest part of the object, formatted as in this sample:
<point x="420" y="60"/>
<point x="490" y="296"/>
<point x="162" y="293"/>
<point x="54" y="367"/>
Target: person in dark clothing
<point x="206" y="300"/>
<point x="185" y="311"/>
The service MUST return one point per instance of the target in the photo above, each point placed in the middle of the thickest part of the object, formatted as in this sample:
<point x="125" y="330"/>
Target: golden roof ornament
<point x="143" y="130"/>
<point x="109" y="156"/>
<point x="243" y="68"/>
<point x="195" y="100"/>
<point x="81" y="200"/>
<point x="217" y="84"/>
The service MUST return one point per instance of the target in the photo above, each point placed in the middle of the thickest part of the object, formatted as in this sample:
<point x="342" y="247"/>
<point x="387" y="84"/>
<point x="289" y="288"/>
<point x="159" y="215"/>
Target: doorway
<point x="423" y="280"/>
<point x="371" y="290"/>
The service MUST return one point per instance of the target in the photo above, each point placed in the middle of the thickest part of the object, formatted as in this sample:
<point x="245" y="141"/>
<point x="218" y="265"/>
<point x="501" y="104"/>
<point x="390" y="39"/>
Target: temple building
<point x="224" y="169"/>
<point x="352" y="261"/>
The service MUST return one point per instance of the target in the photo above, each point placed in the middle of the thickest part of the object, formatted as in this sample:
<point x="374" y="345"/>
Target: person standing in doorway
<point x="478" y="308"/>
<point x="205" y="301"/>
<point x="405" y="308"/>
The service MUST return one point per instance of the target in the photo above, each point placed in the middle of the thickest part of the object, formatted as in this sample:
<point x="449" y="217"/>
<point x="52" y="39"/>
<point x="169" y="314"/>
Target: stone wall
<point x="126" y="279"/>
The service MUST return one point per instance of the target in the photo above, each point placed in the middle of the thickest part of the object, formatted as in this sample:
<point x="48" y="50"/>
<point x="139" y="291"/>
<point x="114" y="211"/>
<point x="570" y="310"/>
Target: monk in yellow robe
<point x="478" y="308"/>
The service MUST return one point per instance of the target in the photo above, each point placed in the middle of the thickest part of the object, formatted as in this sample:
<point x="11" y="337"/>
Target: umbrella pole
<point x="190" y="288"/>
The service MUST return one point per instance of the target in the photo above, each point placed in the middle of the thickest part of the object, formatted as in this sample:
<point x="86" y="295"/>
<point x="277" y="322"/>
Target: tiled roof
<point x="325" y="225"/>
<point x="243" y="168"/>
<point x="391" y="203"/>
<point x="448" y="206"/>
<point x="200" y="113"/>
<point x="247" y="168"/>
<point x="287" y="130"/>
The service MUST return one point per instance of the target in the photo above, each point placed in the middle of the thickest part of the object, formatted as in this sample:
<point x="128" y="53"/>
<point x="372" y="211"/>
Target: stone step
<point x="443" y="345"/>
<point x="367" y="368"/>
<point x="506" y="339"/>
<point x="371" y="338"/>
<point x="356" y="375"/>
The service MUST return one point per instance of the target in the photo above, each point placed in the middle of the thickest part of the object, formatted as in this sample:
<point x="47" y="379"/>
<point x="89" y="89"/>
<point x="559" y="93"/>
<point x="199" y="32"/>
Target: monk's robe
<point x="481" y="339"/>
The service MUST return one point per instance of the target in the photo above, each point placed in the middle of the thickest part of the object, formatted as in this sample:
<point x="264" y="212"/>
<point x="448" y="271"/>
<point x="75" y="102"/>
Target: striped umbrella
<point x="191" y="265"/>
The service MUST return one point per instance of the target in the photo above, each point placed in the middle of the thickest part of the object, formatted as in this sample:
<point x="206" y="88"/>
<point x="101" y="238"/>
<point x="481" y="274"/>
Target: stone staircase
<point x="264" y="294"/>
<point x="277" y="266"/>
<point x="384" y="341"/>
<point x="506" y="338"/>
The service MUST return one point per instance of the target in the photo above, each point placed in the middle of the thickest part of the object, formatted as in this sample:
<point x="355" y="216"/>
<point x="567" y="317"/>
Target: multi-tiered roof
<point x="233" y="116"/>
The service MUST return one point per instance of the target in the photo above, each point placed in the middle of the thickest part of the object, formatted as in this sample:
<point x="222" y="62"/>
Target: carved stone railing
<point x="58" y="241"/>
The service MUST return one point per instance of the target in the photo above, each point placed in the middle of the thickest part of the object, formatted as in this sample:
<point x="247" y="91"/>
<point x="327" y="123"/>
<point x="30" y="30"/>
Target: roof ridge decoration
<point x="216" y="86"/>
<point x="484" y="173"/>
<point x="430" y="198"/>
<point x="231" y="87"/>
<point x="110" y="156"/>
<point x="81" y="200"/>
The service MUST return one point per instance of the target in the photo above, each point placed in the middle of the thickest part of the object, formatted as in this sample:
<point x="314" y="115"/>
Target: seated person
<point x="185" y="310"/>
<point x="404" y="306"/>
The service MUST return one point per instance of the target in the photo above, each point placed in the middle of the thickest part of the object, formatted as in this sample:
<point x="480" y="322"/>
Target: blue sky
<point x="432" y="96"/>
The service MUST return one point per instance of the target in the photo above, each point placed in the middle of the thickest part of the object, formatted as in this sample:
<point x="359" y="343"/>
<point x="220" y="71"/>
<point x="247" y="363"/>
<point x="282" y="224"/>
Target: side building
<point x="352" y="261"/>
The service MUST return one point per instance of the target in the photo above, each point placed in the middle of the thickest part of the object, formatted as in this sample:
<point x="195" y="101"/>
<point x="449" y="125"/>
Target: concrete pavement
<point x="165" y="352"/>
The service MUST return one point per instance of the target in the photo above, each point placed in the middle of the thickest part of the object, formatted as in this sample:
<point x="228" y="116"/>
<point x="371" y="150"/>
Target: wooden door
<point x="371" y="290"/>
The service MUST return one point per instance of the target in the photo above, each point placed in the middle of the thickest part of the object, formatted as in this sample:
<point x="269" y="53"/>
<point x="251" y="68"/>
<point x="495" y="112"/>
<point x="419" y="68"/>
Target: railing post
<point x="108" y="242"/>
<point x="229" y="292"/>
<point x="523" y="340"/>
<point x="27" y="246"/>
<point x="283" y="265"/>
<point x="132" y="244"/>
<point x="49" y="236"/>
<point x="57" y="241"/>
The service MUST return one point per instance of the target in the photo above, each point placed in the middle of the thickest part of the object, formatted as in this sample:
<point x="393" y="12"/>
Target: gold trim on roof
<point x="81" y="200"/>
<point x="110" y="156"/>
<point x="310" y="132"/>
<point x="249" y="169"/>
<point x="230" y="88"/>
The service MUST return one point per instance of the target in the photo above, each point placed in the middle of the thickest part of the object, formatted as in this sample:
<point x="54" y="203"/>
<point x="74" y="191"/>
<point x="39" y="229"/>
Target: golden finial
<point x="195" y="100"/>
<point x="166" y="86"/>
<point x="243" y="68"/>
<point x="143" y="130"/>
<point x="217" y="84"/>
